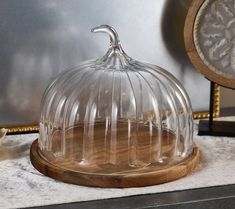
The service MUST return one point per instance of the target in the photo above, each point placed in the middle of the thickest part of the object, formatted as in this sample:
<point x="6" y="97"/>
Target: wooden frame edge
<point x="192" y="51"/>
<point x="22" y="129"/>
<point x="203" y="115"/>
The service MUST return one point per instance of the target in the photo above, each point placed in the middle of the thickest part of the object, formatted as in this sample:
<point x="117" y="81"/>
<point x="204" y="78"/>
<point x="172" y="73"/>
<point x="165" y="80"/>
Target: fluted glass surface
<point x="115" y="112"/>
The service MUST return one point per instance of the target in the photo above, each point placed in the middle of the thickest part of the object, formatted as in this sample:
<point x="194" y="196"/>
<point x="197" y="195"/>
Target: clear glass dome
<point x="115" y="113"/>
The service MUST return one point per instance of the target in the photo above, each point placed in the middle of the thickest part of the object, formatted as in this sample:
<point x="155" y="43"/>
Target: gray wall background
<point x="227" y="97"/>
<point x="40" y="38"/>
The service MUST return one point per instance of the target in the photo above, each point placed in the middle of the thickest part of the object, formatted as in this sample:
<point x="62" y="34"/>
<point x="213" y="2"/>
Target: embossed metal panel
<point x="213" y="36"/>
<point x="39" y="39"/>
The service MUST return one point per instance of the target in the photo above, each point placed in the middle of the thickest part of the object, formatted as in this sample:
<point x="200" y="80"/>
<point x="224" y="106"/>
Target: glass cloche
<point x="115" y="122"/>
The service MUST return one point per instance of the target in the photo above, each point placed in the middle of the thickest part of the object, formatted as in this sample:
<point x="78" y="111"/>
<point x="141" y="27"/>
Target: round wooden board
<point x="191" y="49"/>
<point x="114" y="181"/>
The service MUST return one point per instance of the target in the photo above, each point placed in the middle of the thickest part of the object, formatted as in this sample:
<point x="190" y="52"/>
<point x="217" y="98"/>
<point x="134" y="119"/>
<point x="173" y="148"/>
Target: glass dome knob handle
<point x="114" y="40"/>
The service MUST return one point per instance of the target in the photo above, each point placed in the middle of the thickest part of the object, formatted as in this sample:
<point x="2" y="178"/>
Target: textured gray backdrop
<point x="40" y="38"/>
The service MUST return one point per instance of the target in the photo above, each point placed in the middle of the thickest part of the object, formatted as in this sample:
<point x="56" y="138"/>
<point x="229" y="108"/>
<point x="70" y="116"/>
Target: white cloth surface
<point x="23" y="186"/>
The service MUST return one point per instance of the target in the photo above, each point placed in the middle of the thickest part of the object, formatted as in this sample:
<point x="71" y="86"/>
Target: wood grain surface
<point x="120" y="176"/>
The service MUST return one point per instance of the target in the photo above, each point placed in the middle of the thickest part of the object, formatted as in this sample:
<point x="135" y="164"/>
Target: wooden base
<point x="146" y="177"/>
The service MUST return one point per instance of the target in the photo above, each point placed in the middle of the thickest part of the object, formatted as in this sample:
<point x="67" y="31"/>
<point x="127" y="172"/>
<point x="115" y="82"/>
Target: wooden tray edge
<point x="114" y="181"/>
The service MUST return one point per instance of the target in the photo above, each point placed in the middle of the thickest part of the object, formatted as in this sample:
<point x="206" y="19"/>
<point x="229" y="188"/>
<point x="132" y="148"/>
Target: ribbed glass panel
<point x="117" y="113"/>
